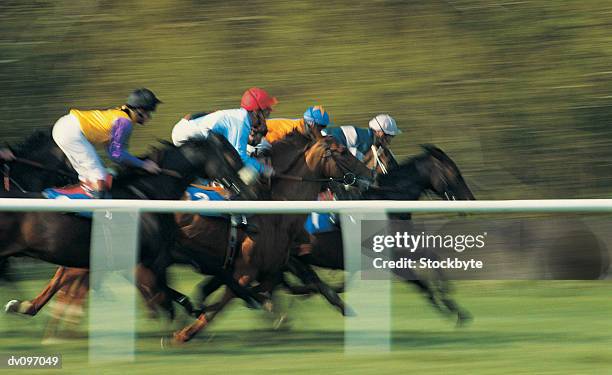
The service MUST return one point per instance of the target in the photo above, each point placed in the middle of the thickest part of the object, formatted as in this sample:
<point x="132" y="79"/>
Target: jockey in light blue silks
<point x="236" y="125"/>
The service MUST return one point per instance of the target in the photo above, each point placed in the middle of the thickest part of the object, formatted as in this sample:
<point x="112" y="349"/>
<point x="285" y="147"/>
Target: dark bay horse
<point x="434" y="171"/>
<point x="64" y="239"/>
<point x="38" y="164"/>
<point x="302" y="168"/>
<point x="200" y="234"/>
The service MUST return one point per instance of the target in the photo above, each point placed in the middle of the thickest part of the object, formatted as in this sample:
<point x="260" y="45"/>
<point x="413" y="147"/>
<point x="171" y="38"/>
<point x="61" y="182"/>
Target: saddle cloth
<point x="70" y="192"/>
<point x="321" y="223"/>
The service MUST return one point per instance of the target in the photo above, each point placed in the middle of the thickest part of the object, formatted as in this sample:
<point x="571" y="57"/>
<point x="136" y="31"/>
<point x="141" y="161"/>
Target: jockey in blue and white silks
<point x="381" y="130"/>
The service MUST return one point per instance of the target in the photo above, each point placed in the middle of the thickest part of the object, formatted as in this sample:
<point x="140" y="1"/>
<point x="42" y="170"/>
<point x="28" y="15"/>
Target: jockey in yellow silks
<point x="79" y="131"/>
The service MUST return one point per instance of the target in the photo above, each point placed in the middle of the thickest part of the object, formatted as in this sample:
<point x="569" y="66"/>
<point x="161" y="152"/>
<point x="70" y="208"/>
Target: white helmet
<point x="385" y="123"/>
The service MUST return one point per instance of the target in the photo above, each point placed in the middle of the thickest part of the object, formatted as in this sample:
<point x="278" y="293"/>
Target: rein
<point x="42" y="166"/>
<point x="348" y="178"/>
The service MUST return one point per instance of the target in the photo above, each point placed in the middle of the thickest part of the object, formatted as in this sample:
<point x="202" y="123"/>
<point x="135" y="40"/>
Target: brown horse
<point x="46" y="236"/>
<point x="202" y="233"/>
<point x="263" y="253"/>
<point x="434" y="171"/>
<point x="38" y="164"/>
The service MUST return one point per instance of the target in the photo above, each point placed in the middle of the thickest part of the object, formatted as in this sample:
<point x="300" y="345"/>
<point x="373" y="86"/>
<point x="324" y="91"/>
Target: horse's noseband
<point x="349" y="178"/>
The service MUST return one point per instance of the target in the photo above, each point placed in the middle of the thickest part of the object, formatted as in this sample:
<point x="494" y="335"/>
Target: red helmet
<point x="255" y="99"/>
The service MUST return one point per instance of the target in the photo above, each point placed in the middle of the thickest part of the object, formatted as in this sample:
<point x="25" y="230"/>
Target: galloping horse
<point x="39" y="164"/>
<point x="64" y="239"/>
<point x="202" y="233"/>
<point x="433" y="170"/>
<point x="263" y="253"/>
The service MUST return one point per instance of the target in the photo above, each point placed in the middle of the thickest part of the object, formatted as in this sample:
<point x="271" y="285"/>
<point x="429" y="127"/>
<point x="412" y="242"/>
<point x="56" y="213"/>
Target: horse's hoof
<point x="11" y="306"/>
<point x="349" y="312"/>
<point x="254" y="304"/>
<point x="268" y="306"/>
<point x="164" y="342"/>
<point x="282" y="323"/>
<point x="18" y="307"/>
<point x="464" y="318"/>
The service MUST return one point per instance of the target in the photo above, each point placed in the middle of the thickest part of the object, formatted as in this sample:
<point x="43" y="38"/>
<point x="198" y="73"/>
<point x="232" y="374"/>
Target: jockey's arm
<point x="238" y="136"/>
<point x="248" y="160"/>
<point x="118" y="144"/>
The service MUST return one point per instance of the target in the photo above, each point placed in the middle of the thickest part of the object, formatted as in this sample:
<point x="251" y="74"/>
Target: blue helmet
<point x="316" y="116"/>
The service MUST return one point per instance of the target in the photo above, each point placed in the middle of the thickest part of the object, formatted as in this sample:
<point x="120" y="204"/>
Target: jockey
<point x="315" y="119"/>
<point x="240" y="127"/>
<point x="382" y="129"/>
<point x="77" y="132"/>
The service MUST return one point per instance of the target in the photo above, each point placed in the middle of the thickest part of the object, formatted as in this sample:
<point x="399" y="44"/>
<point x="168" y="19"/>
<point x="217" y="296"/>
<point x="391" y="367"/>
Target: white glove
<point x="248" y="175"/>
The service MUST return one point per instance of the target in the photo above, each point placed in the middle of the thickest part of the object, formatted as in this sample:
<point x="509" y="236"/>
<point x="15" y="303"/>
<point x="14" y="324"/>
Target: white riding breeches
<point x="81" y="153"/>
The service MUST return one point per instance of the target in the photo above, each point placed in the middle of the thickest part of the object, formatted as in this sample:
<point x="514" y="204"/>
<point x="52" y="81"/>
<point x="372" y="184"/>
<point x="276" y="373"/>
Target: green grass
<point x="519" y="328"/>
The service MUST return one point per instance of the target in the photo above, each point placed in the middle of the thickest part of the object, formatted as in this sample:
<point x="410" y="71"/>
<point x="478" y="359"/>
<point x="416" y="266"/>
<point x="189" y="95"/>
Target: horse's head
<point x="215" y="158"/>
<point x="380" y="159"/>
<point x="433" y="170"/>
<point x="336" y="161"/>
<point x="210" y="158"/>
<point x="315" y="163"/>
<point x="40" y="164"/>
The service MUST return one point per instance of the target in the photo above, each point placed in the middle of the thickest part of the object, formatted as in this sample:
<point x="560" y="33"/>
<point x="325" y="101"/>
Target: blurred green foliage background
<point x="518" y="93"/>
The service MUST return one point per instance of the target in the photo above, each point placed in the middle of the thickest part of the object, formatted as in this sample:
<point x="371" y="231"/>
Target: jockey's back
<point x="96" y="125"/>
<point x="278" y="128"/>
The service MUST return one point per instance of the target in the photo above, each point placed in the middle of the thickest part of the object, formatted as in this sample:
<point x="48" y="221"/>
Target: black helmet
<point x="143" y="98"/>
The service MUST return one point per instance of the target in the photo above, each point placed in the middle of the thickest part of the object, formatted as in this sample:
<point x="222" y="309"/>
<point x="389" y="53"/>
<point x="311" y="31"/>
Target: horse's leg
<point x="309" y="276"/>
<point x="245" y="275"/>
<point x="208" y="287"/>
<point x="428" y="291"/>
<point x="62" y="278"/>
<point x="253" y="300"/>
<point x="463" y="316"/>
<point x="68" y="307"/>
<point x="203" y="320"/>
<point x="146" y="283"/>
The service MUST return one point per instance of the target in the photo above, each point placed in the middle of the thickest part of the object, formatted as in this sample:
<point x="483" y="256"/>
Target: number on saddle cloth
<point x="209" y="193"/>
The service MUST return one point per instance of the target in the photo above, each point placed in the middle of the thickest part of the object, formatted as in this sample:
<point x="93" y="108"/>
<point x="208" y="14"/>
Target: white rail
<point x="121" y="218"/>
<point x="552" y="205"/>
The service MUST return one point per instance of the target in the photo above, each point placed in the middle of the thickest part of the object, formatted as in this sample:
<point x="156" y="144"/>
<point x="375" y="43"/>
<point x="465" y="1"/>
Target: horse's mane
<point x="155" y="152"/>
<point x="35" y="141"/>
<point x="408" y="167"/>
<point x="293" y="139"/>
<point x="288" y="145"/>
<point x="439" y="154"/>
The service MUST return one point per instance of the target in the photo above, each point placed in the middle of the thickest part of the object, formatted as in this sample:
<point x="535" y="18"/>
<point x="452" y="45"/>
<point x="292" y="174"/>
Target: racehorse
<point x="433" y="170"/>
<point x="39" y="164"/>
<point x="46" y="236"/>
<point x="198" y="234"/>
<point x="263" y="252"/>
